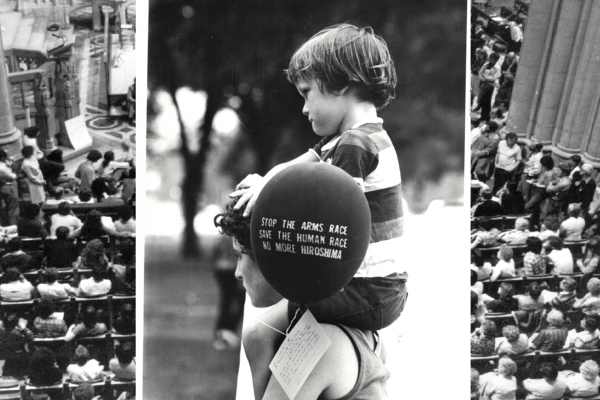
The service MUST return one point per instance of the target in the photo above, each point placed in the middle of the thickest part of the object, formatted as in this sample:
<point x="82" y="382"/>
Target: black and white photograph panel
<point x="305" y="183"/>
<point x="535" y="155"/>
<point x="67" y="199"/>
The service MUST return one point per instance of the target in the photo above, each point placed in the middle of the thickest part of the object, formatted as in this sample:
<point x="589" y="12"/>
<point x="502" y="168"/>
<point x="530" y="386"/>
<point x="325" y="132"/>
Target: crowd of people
<point x="67" y="237"/>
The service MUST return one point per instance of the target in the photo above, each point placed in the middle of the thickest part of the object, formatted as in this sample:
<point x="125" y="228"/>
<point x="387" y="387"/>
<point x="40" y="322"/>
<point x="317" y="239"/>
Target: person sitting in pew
<point x="517" y="236"/>
<point x="558" y="257"/>
<point x="514" y="342"/>
<point x="123" y="365"/>
<point x="562" y="301"/>
<point x="125" y="322"/>
<point x="482" y="340"/>
<point x="93" y="255"/>
<point x="96" y="285"/>
<point x="43" y="368"/>
<point x="505" y="303"/>
<point x="588" y="337"/>
<point x="31" y="225"/>
<point x="548" y="387"/>
<point x="552" y="338"/>
<point x="486" y="234"/>
<point x="61" y="252"/>
<point x="51" y="289"/>
<point x="572" y="227"/>
<point x="533" y="262"/>
<point x="111" y="198"/>
<point x="505" y="268"/>
<point x="16" y="257"/>
<point x="85" y="391"/>
<point x="590" y="303"/>
<point x="532" y="300"/>
<point x="47" y="324"/>
<point x="89" y="325"/>
<point x="501" y="384"/>
<point x="585" y="383"/>
<point x="549" y="228"/>
<point x="591" y="256"/>
<point x="126" y="222"/>
<point x="18" y="288"/>
<point x="64" y="217"/>
<point x="85" y="369"/>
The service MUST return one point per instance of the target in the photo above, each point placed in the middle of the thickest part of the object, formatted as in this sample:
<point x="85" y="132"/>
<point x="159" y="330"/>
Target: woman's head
<point x="125" y="353"/>
<point x="555" y="243"/>
<point x="547" y="162"/>
<point x="593" y="286"/>
<point x="90" y="317"/>
<point x="94" y="156"/>
<point x="511" y="333"/>
<point x="589" y="370"/>
<point x="507" y="367"/>
<point x="555" y="318"/>
<point x="27" y="151"/>
<point x="551" y="223"/>
<point x="534" y="289"/>
<point x="51" y="275"/>
<point x="534" y="245"/>
<point x="549" y="371"/>
<point x="42" y="359"/>
<point x="488" y="329"/>
<point x="64" y="208"/>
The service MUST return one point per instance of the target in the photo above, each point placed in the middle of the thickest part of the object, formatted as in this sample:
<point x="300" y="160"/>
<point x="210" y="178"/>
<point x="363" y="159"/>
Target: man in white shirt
<point x="550" y="387"/>
<point x="17" y="289"/>
<point x="558" y="255"/>
<point x="572" y="227"/>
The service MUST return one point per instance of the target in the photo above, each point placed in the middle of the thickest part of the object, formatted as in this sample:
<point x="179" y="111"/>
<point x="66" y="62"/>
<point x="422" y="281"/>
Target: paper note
<point x="301" y="350"/>
<point x="58" y="315"/>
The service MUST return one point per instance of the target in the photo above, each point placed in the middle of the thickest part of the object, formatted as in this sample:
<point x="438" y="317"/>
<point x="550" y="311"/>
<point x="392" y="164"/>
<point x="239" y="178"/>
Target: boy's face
<point x="260" y="291"/>
<point x="326" y="111"/>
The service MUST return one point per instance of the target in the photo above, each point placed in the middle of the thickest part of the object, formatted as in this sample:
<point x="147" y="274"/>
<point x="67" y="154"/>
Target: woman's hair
<point x="14" y="244"/>
<point x="508" y="365"/>
<point x="82" y="355"/>
<point x="45" y="308"/>
<point x="27" y="151"/>
<point x="534" y="244"/>
<point x="90" y="317"/>
<point x="511" y="333"/>
<point x="64" y="208"/>
<point x="551" y="222"/>
<point x="12" y="274"/>
<point x="42" y="360"/>
<point x="534" y="289"/>
<point x="92" y="227"/>
<point x="31" y="211"/>
<point x="56" y="156"/>
<point x="32" y="131"/>
<point x="94" y="155"/>
<point x="125" y="212"/>
<point x="473" y="277"/>
<point x="92" y="255"/>
<point x="98" y="273"/>
<point x="589" y="370"/>
<point x="125" y="353"/>
<point x="85" y="196"/>
<point x="233" y="223"/>
<point x="555" y="242"/>
<point x="62" y="232"/>
<point x="593" y="286"/>
<point x="511" y="135"/>
<point x="506" y="290"/>
<point x="574" y="210"/>
<point x="346" y="55"/>
<point x="488" y="328"/>
<point x="549" y="371"/>
<point x="555" y="318"/>
<point x="51" y="275"/>
<point x="547" y="162"/>
<point x="108" y="157"/>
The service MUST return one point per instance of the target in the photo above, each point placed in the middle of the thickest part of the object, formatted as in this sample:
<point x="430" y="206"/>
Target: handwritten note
<point x="301" y="350"/>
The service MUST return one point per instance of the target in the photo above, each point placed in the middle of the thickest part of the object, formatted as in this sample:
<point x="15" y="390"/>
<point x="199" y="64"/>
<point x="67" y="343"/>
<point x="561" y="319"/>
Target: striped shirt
<point x="367" y="154"/>
<point x="551" y="339"/>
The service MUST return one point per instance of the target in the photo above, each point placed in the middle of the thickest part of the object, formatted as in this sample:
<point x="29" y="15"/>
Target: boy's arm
<point x="249" y="189"/>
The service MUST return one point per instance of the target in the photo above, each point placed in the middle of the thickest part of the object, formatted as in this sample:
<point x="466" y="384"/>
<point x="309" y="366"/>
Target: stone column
<point x="584" y="89"/>
<point x="533" y="59"/>
<point x="10" y="136"/>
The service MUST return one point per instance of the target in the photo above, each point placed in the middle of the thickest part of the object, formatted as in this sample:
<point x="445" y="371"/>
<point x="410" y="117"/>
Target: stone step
<point x="10" y="24"/>
<point x="23" y="33"/>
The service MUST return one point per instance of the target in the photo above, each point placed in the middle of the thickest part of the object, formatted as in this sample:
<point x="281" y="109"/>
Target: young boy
<point x="345" y="74"/>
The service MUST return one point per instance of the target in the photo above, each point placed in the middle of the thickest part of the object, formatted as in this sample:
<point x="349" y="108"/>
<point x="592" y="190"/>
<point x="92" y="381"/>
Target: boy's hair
<point x="232" y="223"/>
<point x="82" y="355"/>
<point x="347" y="55"/>
<point x="506" y="253"/>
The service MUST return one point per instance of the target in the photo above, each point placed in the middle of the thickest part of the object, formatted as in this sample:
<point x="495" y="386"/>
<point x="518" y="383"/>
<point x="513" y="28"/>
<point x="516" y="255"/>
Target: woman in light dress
<point x="35" y="179"/>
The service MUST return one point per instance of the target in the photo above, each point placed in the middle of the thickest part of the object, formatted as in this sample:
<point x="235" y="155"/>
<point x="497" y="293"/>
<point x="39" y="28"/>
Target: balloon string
<point x="292" y="322"/>
<point x="275" y="329"/>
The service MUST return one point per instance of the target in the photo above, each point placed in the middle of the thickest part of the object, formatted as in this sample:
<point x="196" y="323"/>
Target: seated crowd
<point x="67" y="270"/>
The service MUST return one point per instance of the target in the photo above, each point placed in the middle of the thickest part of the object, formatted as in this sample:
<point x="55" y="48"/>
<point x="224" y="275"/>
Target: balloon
<point x="310" y="230"/>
